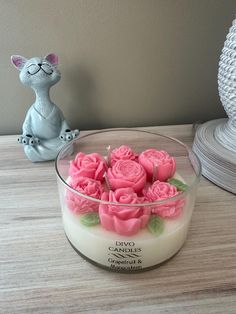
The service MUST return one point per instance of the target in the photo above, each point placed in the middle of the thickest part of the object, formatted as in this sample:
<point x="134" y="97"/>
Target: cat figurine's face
<point x="37" y="72"/>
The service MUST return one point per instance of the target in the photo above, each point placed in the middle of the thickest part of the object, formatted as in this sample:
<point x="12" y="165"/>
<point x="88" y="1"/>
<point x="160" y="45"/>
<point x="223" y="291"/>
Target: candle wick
<point x="107" y="181"/>
<point x="108" y="149"/>
<point x="106" y="163"/>
<point x="154" y="174"/>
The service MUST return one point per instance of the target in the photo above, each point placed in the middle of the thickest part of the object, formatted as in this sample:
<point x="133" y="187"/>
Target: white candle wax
<point x="131" y="253"/>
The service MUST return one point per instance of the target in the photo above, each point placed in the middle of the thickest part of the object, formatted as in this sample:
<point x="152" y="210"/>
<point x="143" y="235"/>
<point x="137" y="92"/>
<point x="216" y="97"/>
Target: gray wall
<point x="123" y="62"/>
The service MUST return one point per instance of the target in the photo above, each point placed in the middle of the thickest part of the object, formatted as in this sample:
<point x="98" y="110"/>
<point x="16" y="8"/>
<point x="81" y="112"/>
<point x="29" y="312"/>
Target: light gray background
<point x="123" y="62"/>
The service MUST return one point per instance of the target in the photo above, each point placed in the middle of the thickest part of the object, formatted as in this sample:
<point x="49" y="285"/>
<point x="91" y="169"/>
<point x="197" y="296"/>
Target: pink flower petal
<point x="106" y="221"/>
<point x="125" y="220"/>
<point x="127" y="227"/>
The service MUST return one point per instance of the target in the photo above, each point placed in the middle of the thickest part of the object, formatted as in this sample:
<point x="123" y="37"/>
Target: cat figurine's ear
<point x="18" y="61"/>
<point x="52" y="58"/>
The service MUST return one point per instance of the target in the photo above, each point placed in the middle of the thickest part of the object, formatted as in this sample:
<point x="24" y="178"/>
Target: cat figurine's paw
<point x="28" y="139"/>
<point x="69" y="135"/>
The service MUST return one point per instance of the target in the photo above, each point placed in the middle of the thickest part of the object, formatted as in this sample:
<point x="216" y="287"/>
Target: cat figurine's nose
<point x="39" y="64"/>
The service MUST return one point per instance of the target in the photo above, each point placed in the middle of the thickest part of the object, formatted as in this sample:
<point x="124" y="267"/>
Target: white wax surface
<point x="128" y="253"/>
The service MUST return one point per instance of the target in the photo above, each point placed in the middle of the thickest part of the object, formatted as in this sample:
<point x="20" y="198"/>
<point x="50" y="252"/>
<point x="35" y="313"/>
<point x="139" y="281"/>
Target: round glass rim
<point x="180" y="195"/>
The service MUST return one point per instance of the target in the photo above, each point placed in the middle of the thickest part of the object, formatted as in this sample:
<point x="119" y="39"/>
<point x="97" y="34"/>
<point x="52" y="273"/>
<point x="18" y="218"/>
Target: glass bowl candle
<point x="127" y="197"/>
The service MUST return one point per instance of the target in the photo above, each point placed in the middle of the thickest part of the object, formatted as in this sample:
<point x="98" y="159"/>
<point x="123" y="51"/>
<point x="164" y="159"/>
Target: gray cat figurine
<point x="45" y="130"/>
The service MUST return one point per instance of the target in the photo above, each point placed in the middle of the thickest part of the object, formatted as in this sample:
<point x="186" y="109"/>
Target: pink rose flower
<point x="79" y="204"/>
<point x="164" y="163"/>
<point x="124" y="220"/>
<point x="125" y="174"/>
<point x="160" y="191"/>
<point x="91" y="166"/>
<point x="121" y="153"/>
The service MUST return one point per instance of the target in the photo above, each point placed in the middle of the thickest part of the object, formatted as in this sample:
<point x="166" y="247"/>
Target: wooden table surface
<point x="41" y="273"/>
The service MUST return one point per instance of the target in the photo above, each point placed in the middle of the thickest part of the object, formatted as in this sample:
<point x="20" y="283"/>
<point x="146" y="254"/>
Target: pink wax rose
<point x="91" y="166"/>
<point x="160" y="191"/>
<point x="158" y="164"/>
<point x="125" y="174"/>
<point x="125" y="220"/>
<point x="121" y="153"/>
<point x="90" y="187"/>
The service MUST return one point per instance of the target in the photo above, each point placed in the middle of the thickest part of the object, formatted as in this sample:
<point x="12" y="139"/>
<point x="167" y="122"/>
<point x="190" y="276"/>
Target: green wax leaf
<point x="179" y="184"/>
<point x="90" y="219"/>
<point x="156" y="225"/>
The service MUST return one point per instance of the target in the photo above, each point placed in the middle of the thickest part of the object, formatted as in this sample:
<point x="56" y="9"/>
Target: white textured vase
<point x="215" y="140"/>
<point x="225" y="133"/>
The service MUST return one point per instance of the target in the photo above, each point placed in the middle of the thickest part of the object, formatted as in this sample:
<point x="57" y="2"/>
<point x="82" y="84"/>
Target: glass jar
<point x="133" y="236"/>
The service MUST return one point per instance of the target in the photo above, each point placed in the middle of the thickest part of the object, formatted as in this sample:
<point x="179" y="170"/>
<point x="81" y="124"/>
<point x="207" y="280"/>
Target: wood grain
<point x="41" y="273"/>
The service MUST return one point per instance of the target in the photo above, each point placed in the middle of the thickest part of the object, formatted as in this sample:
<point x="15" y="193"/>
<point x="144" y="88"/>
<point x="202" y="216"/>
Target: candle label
<point x="125" y="255"/>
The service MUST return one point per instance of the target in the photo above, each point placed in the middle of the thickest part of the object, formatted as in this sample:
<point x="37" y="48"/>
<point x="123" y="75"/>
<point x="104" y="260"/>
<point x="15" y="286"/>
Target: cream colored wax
<point x="124" y="253"/>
